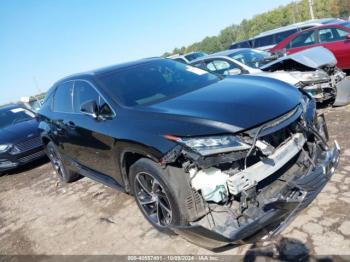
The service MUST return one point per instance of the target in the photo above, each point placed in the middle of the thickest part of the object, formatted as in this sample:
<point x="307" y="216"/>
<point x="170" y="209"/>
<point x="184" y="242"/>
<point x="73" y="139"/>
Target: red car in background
<point x="335" y="37"/>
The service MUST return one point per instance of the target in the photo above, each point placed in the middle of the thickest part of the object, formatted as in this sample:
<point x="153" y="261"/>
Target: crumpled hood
<point x="235" y="103"/>
<point x="315" y="57"/>
<point x="19" y="132"/>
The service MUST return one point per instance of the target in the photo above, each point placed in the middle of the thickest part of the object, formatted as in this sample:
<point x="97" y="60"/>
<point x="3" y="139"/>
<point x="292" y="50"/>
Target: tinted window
<point x="340" y="33"/>
<point x="63" y="98"/>
<point x="194" y="56"/>
<point x="283" y="35"/>
<point x="153" y="81"/>
<point x="14" y="115"/>
<point x="83" y="92"/>
<point x="304" y="39"/>
<point x="264" y="41"/>
<point x="251" y="57"/>
<point x="243" y="44"/>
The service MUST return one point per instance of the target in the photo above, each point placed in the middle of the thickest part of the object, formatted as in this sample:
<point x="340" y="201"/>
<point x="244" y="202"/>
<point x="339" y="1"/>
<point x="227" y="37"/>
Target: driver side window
<point x="84" y="92"/>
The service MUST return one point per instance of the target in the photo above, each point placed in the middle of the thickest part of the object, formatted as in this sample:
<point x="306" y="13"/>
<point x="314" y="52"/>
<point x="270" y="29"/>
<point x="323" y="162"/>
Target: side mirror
<point x="348" y="37"/>
<point x="232" y="72"/>
<point x="90" y="108"/>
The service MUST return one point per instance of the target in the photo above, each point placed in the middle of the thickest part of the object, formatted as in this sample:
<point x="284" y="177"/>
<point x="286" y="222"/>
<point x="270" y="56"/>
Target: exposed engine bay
<point x="328" y="83"/>
<point x="252" y="191"/>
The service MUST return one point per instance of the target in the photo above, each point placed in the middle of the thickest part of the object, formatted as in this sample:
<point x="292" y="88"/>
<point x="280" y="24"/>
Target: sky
<point x="42" y="41"/>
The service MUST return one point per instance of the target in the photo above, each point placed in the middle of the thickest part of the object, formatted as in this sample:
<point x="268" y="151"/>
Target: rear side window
<point x="244" y="44"/>
<point x="194" y="56"/>
<point x="83" y="92"/>
<point x="340" y="33"/>
<point x="63" y="98"/>
<point x="264" y="41"/>
<point x="332" y="34"/>
<point x="283" y="35"/>
<point x="303" y="39"/>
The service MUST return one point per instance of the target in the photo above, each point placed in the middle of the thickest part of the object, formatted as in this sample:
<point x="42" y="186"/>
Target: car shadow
<point x="283" y="249"/>
<point x="280" y="249"/>
<point x="26" y="167"/>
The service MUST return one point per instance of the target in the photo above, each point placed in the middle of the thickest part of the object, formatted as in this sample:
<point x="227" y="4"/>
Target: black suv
<point x="219" y="160"/>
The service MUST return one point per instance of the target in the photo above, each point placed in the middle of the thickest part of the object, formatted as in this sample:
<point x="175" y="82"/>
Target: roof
<point x="10" y="106"/>
<point x="107" y="69"/>
<point x="221" y="53"/>
<point x="313" y="22"/>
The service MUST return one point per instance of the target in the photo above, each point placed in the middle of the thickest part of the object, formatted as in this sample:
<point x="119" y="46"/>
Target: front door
<point x="92" y="147"/>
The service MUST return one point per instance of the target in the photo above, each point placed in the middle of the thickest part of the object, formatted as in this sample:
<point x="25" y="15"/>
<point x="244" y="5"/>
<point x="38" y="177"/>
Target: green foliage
<point x="281" y="16"/>
<point x="38" y="96"/>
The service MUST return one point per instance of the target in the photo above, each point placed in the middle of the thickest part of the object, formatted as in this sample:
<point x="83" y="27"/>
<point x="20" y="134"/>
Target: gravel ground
<point x="40" y="216"/>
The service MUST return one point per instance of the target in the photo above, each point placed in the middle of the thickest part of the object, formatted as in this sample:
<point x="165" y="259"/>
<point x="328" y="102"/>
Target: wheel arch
<point x="130" y="156"/>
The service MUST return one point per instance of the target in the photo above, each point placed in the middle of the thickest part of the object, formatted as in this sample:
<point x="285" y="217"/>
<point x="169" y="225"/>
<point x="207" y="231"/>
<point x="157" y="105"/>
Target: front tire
<point x="64" y="174"/>
<point x="154" y="195"/>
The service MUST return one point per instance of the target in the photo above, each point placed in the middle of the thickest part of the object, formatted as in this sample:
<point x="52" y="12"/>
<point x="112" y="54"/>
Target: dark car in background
<point x="334" y="37"/>
<point x="20" y="140"/>
<point x="218" y="160"/>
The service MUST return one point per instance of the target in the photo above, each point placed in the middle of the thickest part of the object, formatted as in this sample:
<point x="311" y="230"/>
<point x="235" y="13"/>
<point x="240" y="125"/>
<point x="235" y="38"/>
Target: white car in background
<point x="187" y="58"/>
<point x="314" y="70"/>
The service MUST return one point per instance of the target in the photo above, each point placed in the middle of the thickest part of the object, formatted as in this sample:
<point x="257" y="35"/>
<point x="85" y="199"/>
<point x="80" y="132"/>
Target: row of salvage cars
<point x="218" y="158"/>
<point x="313" y="70"/>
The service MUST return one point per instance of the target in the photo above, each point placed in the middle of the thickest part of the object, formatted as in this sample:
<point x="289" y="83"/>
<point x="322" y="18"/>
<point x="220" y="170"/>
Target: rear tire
<point x="155" y="196"/>
<point x="64" y="174"/>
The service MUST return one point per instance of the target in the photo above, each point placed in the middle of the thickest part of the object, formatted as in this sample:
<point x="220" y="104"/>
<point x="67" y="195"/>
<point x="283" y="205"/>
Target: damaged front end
<point x="247" y="187"/>
<point x="316" y="71"/>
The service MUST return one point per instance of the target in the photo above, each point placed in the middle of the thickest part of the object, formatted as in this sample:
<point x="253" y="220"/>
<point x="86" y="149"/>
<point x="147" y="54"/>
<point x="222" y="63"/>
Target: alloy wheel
<point x="56" y="161"/>
<point x="153" y="200"/>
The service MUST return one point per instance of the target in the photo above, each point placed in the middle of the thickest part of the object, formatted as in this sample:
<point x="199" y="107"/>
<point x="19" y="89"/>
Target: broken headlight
<point x="311" y="76"/>
<point x="213" y="144"/>
<point x="309" y="108"/>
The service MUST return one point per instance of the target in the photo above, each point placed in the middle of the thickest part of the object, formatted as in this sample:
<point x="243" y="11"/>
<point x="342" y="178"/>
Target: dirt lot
<point x="40" y="216"/>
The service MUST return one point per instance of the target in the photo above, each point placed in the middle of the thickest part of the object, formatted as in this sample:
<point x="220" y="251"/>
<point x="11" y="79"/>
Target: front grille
<point x="28" y="158"/>
<point x="29" y="144"/>
<point x="277" y="138"/>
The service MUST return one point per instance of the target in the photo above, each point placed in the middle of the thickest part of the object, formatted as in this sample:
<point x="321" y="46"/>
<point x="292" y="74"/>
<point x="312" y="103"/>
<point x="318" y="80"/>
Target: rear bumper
<point x="9" y="161"/>
<point x="277" y="214"/>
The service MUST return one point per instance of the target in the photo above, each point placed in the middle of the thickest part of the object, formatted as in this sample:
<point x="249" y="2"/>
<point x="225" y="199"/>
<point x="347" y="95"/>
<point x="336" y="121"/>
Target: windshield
<point x="12" y="116"/>
<point x="194" y="56"/>
<point x="252" y="58"/>
<point x="153" y="81"/>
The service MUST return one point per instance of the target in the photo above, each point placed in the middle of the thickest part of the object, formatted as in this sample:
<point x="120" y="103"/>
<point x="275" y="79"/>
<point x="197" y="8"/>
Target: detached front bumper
<point x="276" y="214"/>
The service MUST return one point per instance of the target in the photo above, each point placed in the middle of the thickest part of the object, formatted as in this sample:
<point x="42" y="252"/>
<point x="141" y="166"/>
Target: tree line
<point x="281" y="16"/>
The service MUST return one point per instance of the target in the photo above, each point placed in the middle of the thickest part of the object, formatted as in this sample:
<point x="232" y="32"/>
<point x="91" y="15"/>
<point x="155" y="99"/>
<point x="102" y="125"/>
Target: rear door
<point x="335" y="39"/>
<point x="304" y="40"/>
<point x="91" y="145"/>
